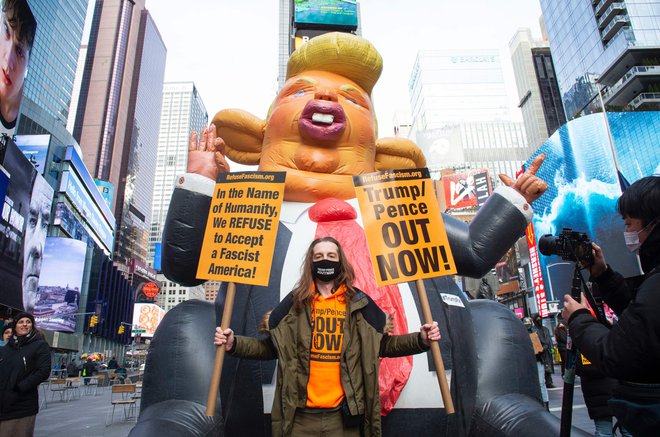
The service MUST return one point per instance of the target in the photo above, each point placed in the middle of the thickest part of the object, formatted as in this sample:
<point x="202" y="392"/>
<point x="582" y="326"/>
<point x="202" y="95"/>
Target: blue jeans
<point x="544" y="390"/>
<point x="604" y="428"/>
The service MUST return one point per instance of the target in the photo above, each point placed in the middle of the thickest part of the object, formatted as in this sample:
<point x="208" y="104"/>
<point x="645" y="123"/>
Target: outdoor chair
<point x="58" y="386"/>
<point x="73" y="385"/>
<point x="94" y="384"/>
<point x="122" y="394"/>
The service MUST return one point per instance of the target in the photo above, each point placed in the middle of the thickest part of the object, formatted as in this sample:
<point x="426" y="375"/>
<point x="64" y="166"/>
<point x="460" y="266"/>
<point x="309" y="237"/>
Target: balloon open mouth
<point x="322" y="120"/>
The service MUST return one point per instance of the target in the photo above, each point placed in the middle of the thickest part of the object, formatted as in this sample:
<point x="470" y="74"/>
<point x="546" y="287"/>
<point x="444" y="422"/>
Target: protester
<point x="561" y="337"/>
<point x="334" y="388"/>
<point x="538" y="353"/>
<point x="546" y="355"/>
<point x="630" y="350"/>
<point x="24" y="364"/>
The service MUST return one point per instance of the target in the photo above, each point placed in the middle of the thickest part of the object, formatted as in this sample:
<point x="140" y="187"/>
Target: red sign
<point x="150" y="289"/>
<point x="466" y="189"/>
<point x="537" y="277"/>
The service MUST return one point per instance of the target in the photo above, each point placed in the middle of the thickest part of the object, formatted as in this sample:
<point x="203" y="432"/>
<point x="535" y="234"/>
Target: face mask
<point x="2" y="343"/>
<point x="632" y="238"/>
<point x="326" y="270"/>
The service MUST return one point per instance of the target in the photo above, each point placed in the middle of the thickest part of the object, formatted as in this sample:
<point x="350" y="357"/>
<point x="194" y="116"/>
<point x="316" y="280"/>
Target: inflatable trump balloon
<point x="321" y="130"/>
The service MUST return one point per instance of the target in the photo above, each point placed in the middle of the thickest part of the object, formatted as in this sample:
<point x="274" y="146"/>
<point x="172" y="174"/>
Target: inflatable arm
<point x="478" y="246"/>
<point x="508" y="395"/>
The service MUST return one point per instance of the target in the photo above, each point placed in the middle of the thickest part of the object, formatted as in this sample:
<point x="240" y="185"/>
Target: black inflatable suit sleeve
<point x="183" y="235"/>
<point x="477" y="248"/>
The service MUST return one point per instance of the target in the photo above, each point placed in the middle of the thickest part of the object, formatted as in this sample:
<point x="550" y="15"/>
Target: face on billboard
<point x="18" y="28"/>
<point x="35" y="237"/>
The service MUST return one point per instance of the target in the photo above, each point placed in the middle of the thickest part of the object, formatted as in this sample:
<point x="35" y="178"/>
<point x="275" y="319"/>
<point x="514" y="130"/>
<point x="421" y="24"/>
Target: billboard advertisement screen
<point x="146" y="317"/>
<point x="19" y="31"/>
<point x="59" y="284"/>
<point x="326" y="12"/>
<point x="25" y="219"/>
<point x="466" y="189"/>
<point x="35" y="149"/>
<point x="584" y="186"/>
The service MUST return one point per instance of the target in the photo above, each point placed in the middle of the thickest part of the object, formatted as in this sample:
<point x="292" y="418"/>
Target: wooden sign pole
<point x="220" y="352"/>
<point x="435" y="349"/>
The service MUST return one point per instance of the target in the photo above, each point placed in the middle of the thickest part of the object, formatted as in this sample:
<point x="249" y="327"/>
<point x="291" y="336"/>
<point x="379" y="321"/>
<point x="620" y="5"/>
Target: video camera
<point x="570" y="245"/>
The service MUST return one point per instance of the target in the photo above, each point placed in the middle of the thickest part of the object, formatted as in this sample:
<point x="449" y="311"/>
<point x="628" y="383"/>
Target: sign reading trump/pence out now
<point x="242" y="228"/>
<point x="404" y="228"/>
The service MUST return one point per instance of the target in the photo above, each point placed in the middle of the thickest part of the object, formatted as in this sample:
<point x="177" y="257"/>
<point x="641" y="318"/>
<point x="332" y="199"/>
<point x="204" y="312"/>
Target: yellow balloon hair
<point x="341" y="53"/>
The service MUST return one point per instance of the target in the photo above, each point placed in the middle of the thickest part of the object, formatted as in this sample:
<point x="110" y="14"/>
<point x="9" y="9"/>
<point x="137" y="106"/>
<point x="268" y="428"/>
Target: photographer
<point x="630" y="350"/>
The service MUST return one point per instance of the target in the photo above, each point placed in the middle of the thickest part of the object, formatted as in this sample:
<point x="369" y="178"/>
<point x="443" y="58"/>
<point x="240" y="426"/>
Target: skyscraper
<point x="460" y="114"/>
<point x="53" y="60"/>
<point x="119" y="113"/>
<point x="183" y="111"/>
<point x="614" y="43"/>
<point x="538" y="91"/>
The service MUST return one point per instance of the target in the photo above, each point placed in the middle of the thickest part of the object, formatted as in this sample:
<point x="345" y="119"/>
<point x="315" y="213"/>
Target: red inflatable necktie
<point x="336" y="218"/>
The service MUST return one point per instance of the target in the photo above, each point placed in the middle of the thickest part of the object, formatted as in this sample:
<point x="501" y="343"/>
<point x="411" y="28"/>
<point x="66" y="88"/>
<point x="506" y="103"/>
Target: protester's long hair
<point x="302" y="292"/>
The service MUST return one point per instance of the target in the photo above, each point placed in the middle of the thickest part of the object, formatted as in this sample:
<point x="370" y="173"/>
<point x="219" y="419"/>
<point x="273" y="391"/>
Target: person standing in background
<point x="546" y="355"/>
<point x="24" y="364"/>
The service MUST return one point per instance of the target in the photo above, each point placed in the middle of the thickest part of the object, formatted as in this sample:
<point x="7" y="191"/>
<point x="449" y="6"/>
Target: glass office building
<point x="52" y="68"/>
<point x="141" y="144"/>
<point x="616" y="43"/>
<point x="118" y="115"/>
<point x="460" y="112"/>
<point x="183" y="111"/>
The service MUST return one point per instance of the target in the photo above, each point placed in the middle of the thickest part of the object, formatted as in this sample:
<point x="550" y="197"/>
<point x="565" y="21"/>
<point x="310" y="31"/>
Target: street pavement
<point x="580" y="416"/>
<point x="86" y="416"/>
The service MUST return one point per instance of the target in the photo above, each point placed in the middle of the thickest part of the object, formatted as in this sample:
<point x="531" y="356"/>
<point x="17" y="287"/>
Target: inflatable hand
<point x="206" y="157"/>
<point x="528" y="184"/>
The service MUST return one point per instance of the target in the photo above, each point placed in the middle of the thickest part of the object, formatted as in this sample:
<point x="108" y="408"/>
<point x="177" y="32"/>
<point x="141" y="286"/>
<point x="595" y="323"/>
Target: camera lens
<point x="548" y="245"/>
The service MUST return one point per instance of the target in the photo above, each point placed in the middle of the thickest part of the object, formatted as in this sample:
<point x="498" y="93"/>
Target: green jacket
<point x="364" y="342"/>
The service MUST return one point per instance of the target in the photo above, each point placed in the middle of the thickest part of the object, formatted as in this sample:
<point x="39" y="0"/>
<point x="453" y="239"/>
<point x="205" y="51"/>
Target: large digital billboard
<point x="25" y="218"/>
<point x="584" y="186"/>
<point x="35" y="149"/>
<point x="60" y="284"/>
<point x="83" y="192"/>
<point x="326" y="12"/>
<point x="466" y="189"/>
<point x="19" y="29"/>
<point x="146" y="318"/>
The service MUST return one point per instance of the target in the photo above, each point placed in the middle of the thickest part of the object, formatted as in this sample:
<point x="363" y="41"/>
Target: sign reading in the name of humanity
<point x="242" y="228"/>
<point x="404" y="228"/>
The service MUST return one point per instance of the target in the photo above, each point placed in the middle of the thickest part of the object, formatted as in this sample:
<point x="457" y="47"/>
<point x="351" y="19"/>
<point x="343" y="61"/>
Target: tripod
<point x="572" y="353"/>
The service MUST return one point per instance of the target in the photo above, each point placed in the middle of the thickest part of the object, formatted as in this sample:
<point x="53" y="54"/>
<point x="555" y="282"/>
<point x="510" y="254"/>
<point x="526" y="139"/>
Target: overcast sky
<point x="229" y="48"/>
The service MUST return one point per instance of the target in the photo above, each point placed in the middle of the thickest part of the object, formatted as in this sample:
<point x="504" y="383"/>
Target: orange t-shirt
<point x="324" y="389"/>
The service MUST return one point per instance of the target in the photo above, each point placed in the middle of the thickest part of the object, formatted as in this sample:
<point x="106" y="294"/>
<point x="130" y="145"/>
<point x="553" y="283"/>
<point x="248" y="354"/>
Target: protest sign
<point x="242" y="228"/>
<point x="402" y="220"/>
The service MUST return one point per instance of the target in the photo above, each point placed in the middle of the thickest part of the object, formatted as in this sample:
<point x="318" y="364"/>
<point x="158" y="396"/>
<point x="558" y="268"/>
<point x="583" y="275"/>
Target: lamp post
<point x="623" y="182"/>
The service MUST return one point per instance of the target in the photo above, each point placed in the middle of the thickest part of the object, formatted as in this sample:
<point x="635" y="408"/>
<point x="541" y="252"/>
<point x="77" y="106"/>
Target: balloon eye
<point x="299" y="93"/>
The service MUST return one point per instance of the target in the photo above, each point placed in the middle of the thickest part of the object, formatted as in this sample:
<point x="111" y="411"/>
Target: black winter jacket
<point x="596" y="390"/>
<point x="630" y="351"/>
<point x="24" y="364"/>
